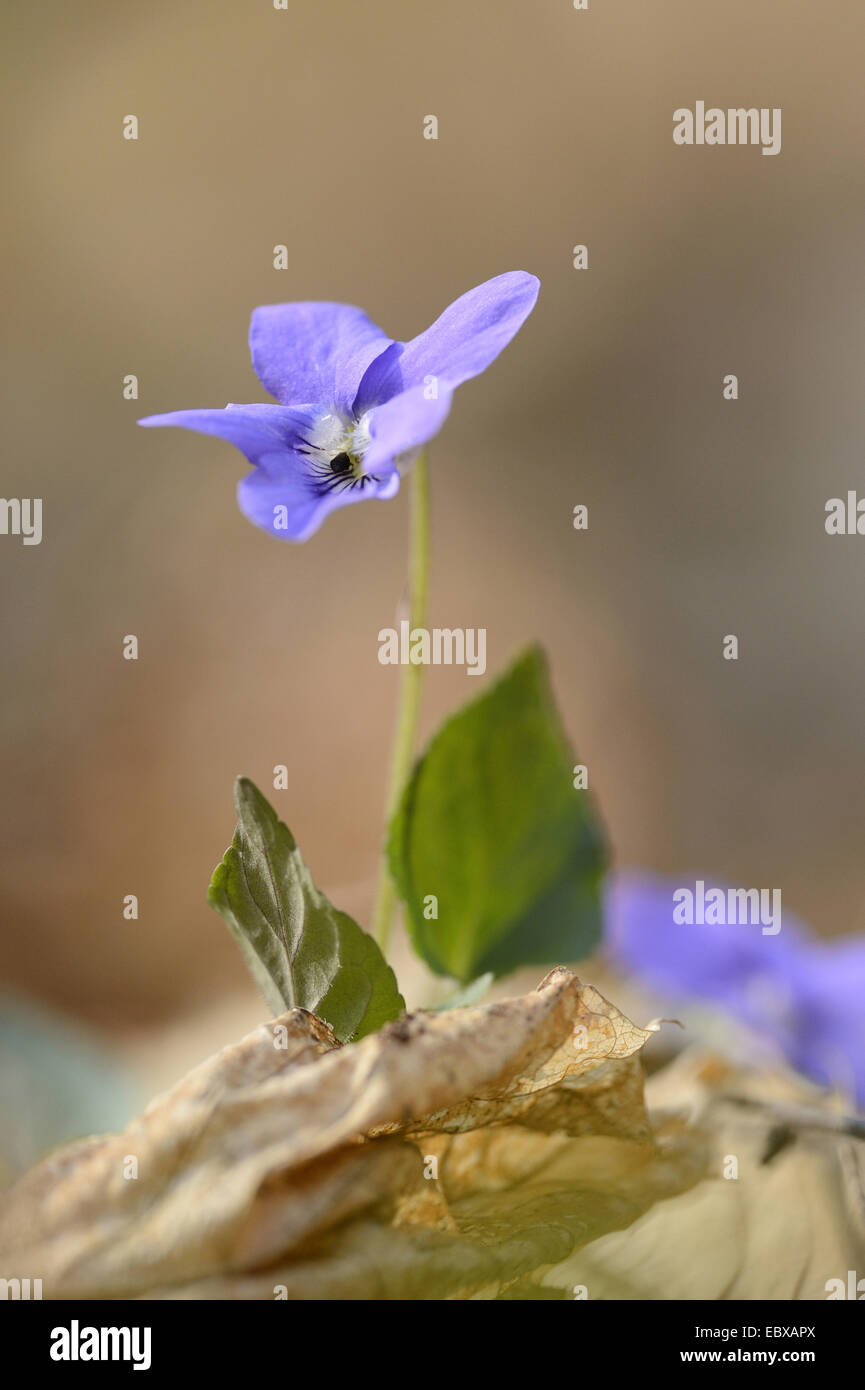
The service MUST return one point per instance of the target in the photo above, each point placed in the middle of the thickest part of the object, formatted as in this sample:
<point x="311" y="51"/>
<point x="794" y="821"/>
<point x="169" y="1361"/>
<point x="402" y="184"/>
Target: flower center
<point x="335" y="448"/>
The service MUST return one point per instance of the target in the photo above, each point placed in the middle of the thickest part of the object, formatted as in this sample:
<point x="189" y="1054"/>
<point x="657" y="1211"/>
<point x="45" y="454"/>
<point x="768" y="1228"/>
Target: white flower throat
<point x="335" y="448"/>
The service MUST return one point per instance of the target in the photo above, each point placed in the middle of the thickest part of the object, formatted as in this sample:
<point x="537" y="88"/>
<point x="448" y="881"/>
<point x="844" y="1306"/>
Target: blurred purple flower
<point x="803" y="994"/>
<point x="355" y="406"/>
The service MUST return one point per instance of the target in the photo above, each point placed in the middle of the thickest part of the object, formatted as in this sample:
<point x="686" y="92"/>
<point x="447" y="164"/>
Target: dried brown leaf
<point x="290" y="1162"/>
<point x="779" y="1229"/>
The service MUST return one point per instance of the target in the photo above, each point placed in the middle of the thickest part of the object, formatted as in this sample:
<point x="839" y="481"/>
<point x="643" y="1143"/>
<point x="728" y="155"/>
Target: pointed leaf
<point x="301" y="950"/>
<point x="491" y="826"/>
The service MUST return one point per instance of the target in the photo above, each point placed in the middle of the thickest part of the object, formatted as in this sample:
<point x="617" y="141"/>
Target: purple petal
<point x="461" y="344"/>
<point x="403" y="424"/>
<point x="290" y="508"/>
<point x="313" y="351"/>
<point x="262" y="432"/>
<point x="832" y="1045"/>
<point x="287" y="476"/>
<point x="804" y="994"/>
<point x="734" y="964"/>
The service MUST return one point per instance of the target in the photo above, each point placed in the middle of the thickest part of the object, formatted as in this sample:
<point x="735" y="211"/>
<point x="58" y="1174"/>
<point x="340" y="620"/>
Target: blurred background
<point x="305" y="127"/>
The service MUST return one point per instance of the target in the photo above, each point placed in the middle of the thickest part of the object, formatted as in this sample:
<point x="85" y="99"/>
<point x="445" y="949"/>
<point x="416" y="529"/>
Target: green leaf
<point x="466" y="995"/>
<point x="490" y="824"/>
<point x="301" y="950"/>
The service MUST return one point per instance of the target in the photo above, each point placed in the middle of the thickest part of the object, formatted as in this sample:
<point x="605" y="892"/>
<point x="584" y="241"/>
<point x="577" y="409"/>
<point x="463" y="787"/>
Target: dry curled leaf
<point x="774" y="1218"/>
<point x="289" y="1166"/>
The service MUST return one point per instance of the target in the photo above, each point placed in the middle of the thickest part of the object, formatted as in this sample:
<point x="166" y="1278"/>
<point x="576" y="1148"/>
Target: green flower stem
<point x="405" y="734"/>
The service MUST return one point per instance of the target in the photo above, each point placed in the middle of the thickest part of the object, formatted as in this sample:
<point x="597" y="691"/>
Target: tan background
<point x="706" y="517"/>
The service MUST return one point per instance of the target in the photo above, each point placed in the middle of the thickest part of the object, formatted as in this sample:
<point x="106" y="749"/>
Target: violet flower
<point x="802" y="994"/>
<point x="355" y="406"/>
